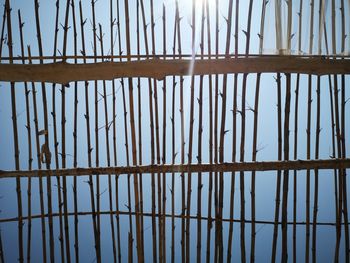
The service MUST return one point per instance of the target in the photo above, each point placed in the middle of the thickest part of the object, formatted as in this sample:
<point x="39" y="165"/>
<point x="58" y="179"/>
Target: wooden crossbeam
<point x="193" y="168"/>
<point x="62" y="72"/>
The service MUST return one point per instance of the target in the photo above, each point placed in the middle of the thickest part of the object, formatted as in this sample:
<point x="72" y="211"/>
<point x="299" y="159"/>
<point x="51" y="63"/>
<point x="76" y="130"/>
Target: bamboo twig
<point x="210" y="183"/>
<point x="15" y="137"/>
<point x="89" y="148"/>
<point x="321" y="164"/>
<point x="37" y="143"/>
<point x="30" y="159"/>
<point x="75" y="143"/>
<point x="46" y="125"/>
<point x="56" y="143"/>
<point x="108" y="154"/>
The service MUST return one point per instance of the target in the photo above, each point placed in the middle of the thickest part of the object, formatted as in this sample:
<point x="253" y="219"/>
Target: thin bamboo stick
<point x="114" y="22"/>
<point x="321" y="164"/>
<point x="210" y="179"/>
<point x="234" y="139"/>
<point x="255" y="135"/>
<point x="338" y="136"/>
<point x="173" y="144"/>
<point x="15" y="136"/>
<point x="133" y="140"/>
<point x="107" y="126"/>
<point x="286" y="145"/>
<point x="129" y="174"/>
<point x="97" y="161"/>
<point x="47" y="153"/>
<point x="343" y="144"/>
<point x="199" y="144"/>
<point x="140" y="124"/>
<point x="164" y="141"/>
<point x="63" y="137"/>
<point x="190" y="140"/>
<point x="317" y="146"/>
<point x="182" y="138"/>
<point x="56" y="143"/>
<point x="317" y="140"/>
<point x="242" y="146"/>
<point x="37" y="143"/>
<point x="193" y="217"/>
<point x="286" y="172"/>
<point x="223" y="132"/>
<point x="75" y="143"/>
<point x="278" y="180"/>
<point x="117" y="177"/>
<point x="154" y="230"/>
<point x="2" y="32"/>
<point x="216" y="140"/>
<point x="156" y="119"/>
<point x="295" y="150"/>
<point x="308" y="139"/>
<point x="89" y="148"/>
<point x="2" y="256"/>
<point x="30" y="158"/>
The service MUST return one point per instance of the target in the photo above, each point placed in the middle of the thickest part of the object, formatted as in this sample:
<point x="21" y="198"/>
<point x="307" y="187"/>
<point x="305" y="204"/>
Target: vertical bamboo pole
<point x="164" y="139"/>
<point x="216" y="117"/>
<point x="113" y="22"/>
<point x="285" y="172"/>
<point x="41" y="194"/>
<point x="140" y="123"/>
<point x="338" y="136"/>
<point x="98" y="203"/>
<point x="173" y="143"/>
<point x="2" y="30"/>
<point x="317" y="140"/>
<point x="234" y="139"/>
<point x="56" y="144"/>
<point x="107" y="126"/>
<point x="222" y="135"/>
<point x="160" y="223"/>
<point x="242" y="146"/>
<point x="278" y="183"/>
<point x="182" y="136"/>
<point x="15" y="136"/>
<point x="75" y="143"/>
<point x="190" y="140"/>
<point x="154" y="230"/>
<point x="255" y="135"/>
<point x="308" y="139"/>
<point x="335" y="171"/>
<point x="129" y="175"/>
<point x="2" y="256"/>
<point x="133" y="140"/>
<point x="48" y="154"/>
<point x="88" y="137"/>
<point x="63" y="138"/>
<point x="295" y="150"/>
<point x="343" y="144"/>
<point x="210" y="187"/>
<point x="286" y="146"/>
<point x="199" y="144"/>
<point x="29" y="137"/>
<point x="279" y="124"/>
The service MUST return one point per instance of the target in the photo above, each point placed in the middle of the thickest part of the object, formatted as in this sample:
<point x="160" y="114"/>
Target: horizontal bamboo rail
<point x="160" y="56"/>
<point x="145" y="214"/>
<point x="62" y="72"/>
<point x="187" y="168"/>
